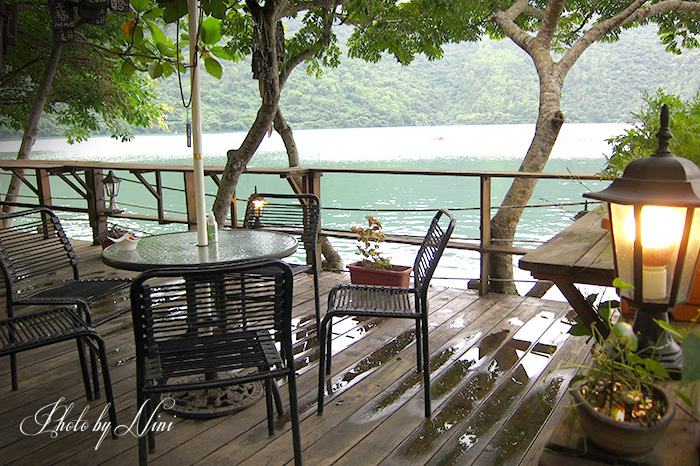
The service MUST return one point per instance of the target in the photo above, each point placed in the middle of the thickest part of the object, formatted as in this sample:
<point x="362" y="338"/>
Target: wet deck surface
<point x="500" y="365"/>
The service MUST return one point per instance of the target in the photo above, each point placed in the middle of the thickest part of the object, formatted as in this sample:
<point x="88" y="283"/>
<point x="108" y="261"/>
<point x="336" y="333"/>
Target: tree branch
<point x="506" y="24"/>
<point x="662" y="7"/>
<point x="303" y="5"/>
<point x="550" y="21"/>
<point x="595" y="33"/>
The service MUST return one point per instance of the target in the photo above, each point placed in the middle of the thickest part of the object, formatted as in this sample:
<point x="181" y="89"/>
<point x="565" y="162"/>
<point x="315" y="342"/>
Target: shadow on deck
<point x="500" y="366"/>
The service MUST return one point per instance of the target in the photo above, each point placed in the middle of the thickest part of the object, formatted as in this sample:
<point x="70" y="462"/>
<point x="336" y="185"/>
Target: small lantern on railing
<point x="111" y="184"/>
<point x="654" y="212"/>
<point x="258" y="206"/>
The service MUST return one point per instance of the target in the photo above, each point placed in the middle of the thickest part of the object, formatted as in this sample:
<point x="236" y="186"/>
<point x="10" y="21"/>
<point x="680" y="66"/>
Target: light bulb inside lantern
<point x="662" y="230"/>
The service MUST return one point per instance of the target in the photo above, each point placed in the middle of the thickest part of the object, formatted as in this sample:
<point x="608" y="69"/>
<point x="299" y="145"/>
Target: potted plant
<point x="375" y="268"/>
<point x="620" y="403"/>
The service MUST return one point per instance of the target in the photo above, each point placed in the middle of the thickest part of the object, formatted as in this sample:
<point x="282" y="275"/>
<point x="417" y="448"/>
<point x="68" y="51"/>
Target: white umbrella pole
<point x="200" y="204"/>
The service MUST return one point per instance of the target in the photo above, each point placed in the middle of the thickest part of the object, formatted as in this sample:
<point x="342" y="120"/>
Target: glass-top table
<point x="180" y="249"/>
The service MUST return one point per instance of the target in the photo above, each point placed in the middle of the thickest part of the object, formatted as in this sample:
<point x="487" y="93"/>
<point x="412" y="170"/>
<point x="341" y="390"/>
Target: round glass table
<point x="180" y="249"/>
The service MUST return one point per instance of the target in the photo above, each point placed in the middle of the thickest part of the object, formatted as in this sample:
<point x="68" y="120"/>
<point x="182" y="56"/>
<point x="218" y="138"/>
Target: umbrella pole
<point x="197" y="161"/>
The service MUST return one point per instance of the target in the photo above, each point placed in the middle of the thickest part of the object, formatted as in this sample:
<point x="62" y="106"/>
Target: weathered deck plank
<point x="495" y="363"/>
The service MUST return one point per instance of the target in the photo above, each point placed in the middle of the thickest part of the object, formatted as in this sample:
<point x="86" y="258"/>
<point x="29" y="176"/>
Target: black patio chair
<point x="296" y="214"/>
<point x="55" y="325"/>
<point x="41" y="267"/>
<point x="391" y="302"/>
<point x="192" y="323"/>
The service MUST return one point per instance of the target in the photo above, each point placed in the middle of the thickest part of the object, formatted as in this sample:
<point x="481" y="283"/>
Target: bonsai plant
<point x="374" y="268"/>
<point x="619" y="402"/>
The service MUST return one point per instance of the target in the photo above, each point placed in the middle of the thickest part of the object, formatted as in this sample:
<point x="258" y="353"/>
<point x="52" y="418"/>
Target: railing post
<point x="485" y="238"/>
<point x="190" y="200"/>
<point x="96" y="204"/>
<point x="43" y="186"/>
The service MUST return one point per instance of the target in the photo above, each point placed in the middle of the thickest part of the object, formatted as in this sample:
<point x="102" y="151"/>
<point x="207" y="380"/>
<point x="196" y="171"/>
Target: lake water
<point x="404" y="204"/>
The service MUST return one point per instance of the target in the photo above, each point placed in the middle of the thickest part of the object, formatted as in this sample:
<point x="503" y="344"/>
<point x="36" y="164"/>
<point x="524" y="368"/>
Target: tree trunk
<point x="504" y="223"/>
<point x="266" y="70"/>
<point x="285" y="131"/>
<point x="31" y="129"/>
<point x="333" y="260"/>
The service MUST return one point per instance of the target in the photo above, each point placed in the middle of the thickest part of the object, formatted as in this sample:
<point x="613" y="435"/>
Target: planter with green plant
<point x="621" y="399"/>
<point x="375" y="268"/>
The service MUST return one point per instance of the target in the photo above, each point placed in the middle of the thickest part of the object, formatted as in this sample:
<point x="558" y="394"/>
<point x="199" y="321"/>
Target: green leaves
<point x="625" y="334"/>
<point x="174" y="10"/>
<point x="155" y="69"/>
<point x="213" y="67"/>
<point x="639" y="141"/>
<point x="211" y="31"/>
<point x="215" y="8"/>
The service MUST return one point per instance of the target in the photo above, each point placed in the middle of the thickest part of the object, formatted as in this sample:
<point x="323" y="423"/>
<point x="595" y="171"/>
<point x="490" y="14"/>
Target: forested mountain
<point x="489" y="82"/>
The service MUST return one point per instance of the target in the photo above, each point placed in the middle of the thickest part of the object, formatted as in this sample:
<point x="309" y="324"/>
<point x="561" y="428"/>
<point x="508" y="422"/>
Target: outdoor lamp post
<point x="111" y="184"/>
<point x="654" y="212"/>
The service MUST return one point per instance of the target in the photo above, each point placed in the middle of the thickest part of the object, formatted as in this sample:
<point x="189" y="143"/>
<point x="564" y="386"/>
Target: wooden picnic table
<point x="581" y="253"/>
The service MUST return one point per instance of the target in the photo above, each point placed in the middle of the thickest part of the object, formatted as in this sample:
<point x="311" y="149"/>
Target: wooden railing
<point x="85" y="179"/>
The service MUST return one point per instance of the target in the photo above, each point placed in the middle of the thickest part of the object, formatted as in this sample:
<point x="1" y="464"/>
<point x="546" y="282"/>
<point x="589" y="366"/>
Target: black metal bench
<point x="41" y="268"/>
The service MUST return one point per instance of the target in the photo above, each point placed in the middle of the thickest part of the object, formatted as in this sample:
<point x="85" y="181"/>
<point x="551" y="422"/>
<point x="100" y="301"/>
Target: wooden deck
<point x="500" y="366"/>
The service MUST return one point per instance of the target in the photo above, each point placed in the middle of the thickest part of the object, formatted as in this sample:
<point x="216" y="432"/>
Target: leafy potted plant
<point x="621" y="408"/>
<point x="620" y="403"/>
<point x="375" y="268"/>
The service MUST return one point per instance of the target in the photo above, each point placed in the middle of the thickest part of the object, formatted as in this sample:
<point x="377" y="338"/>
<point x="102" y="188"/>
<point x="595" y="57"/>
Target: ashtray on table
<point x="126" y="242"/>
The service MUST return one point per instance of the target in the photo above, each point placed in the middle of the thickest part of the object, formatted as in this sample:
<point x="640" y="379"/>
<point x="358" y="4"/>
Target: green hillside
<point x="475" y="83"/>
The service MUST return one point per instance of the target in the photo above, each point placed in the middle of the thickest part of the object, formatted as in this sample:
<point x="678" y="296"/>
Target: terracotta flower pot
<point x="399" y="275"/>
<point x="619" y="437"/>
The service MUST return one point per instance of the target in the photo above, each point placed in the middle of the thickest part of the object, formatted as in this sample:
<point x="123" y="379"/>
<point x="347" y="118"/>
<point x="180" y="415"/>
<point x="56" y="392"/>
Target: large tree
<point x="554" y="34"/>
<point x="75" y="75"/>
<point x="273" y="59"/>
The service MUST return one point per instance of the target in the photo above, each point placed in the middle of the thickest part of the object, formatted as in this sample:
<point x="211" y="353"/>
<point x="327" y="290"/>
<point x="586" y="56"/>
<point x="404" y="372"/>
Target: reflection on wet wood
<point x="499" y="370"/>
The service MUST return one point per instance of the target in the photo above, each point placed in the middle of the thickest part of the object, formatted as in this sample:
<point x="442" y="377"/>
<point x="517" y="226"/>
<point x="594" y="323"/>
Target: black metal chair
<point x="296" y="214"/>
<point x="54" y="325"/>
<point x="192" y="323"/>
<point x="391" y="302"/>
<point x="41" y="267"/>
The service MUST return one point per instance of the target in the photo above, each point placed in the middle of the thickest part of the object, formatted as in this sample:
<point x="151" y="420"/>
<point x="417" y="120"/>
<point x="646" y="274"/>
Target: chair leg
<point x="328" y="335"/>
<point x="278" y="398"/>
<point x="317" y="299"/>
<point x="419" y="346"/>
<point x="143" y="404"/>
<point x="269" y="407"/>
<point x="13" y="370"/>
<point x="426" y="369"/>
<point x="109" y="394"/>
<point x="294" y="413"/>
<point x="322" y="363"/>
<point x="155" y="402"/>
<point x="83" y="367"/>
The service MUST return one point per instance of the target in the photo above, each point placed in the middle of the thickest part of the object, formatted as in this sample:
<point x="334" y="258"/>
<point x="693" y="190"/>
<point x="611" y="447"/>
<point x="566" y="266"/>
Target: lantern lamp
<point x="111" y="184"/>
<point x="654" y="210"/>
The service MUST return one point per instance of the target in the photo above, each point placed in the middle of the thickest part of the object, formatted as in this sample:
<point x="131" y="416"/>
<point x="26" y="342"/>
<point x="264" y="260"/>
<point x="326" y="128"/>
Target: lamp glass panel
<point x="621" y="217"/>
<point x="662" y="231"/>
<point x="691" y="260"/>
